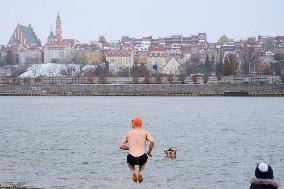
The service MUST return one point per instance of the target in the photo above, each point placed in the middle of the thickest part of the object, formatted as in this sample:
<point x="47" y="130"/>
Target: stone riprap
<point x="141" y="89"/>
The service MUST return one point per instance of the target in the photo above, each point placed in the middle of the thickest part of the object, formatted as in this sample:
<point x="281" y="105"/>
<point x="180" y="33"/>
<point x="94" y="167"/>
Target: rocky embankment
<point x="142" y="90"/>
<point x="19" y="187"/>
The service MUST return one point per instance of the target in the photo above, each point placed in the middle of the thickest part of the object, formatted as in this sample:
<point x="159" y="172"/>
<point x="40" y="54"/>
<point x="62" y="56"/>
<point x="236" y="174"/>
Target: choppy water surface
<point x="72" y="142"/>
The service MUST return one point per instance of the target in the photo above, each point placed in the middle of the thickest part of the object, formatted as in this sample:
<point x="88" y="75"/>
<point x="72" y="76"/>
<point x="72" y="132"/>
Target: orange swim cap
<point x="137" y="121"/>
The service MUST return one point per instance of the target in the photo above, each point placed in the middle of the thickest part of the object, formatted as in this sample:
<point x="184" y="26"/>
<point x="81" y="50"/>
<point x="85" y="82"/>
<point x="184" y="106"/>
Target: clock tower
<point x="58" y="31"/>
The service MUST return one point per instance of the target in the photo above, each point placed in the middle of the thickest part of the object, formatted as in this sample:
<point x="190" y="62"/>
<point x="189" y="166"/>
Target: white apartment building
<point x="60" y="51"/>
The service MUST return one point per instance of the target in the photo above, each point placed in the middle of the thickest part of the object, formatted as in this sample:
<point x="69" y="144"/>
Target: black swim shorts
<point x="141" y="160"/>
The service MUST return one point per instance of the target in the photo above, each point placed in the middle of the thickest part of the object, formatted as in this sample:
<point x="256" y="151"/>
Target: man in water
<point x="135" y="141"/>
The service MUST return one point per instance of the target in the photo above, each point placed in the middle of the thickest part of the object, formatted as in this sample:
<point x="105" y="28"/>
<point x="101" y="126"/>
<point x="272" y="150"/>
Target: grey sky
<point x="86" y="20"/>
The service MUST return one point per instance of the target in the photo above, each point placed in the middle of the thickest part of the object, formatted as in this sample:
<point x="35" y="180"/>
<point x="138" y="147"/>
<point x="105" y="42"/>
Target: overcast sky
<point x="86" y="20"/>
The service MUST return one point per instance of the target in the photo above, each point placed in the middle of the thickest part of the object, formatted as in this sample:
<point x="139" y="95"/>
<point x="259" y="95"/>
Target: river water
<point x="72" y="142"/>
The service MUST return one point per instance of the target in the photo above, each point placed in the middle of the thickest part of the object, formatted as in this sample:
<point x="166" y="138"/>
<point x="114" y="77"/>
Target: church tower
<point x="58" y="31"/>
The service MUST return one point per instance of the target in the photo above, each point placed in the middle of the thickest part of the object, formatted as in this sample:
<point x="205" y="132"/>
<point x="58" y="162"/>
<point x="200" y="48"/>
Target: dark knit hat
<point x="263" y="171"/>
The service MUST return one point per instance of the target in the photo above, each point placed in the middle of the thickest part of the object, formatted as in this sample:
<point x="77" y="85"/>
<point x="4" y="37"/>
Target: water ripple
<point x="60" y="142"/>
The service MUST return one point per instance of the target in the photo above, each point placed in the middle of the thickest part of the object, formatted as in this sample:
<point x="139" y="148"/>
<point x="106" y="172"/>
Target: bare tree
<point x="189" y="68"/>
<point x="170" y="78"/>
<point x="195" y="59"/>
<point x="147" y="80"/>
<point x="90" y="73"/>
<point x="278" y="65"/>
<point x="99" y="71"/>
<point x="9" y="59"/>
<point x="27" y="80"/>
<point x="205" y="79"/>
<point x="267" y="45"/>
<point x="123" y="72"/>
<point x="142" y="71"/>
<point x="248" y="55"/>
<point x="19" y="70"/>
<point x="231" y="65"/>
<point x="37" y="80"/>
<point x="90" y="80"/>
<point x="181" y="77"/>
<point x="194" y="78"/>
<point x="65" y="72"/>
<point x="159" y="78"/>
<point x="207" y="66"/>
<point x="282" y="78"/>
<point x="102" y="80"/>
<point x="1" y="60"/>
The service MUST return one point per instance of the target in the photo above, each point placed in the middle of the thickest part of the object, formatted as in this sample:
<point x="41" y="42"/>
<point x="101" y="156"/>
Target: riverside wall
<point x="142" y="90"/>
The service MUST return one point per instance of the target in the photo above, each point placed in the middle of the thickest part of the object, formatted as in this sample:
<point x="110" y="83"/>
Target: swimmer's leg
<point x="132" y="169"/>
<point x="141" y="168"/>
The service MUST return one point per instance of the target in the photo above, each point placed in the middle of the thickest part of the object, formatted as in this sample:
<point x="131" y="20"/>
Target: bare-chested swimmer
<point x="135" y="141"/>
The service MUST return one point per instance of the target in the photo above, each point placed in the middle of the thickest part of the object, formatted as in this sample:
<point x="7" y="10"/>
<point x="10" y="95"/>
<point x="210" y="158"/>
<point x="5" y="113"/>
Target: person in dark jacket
<point x="263" y="177"/>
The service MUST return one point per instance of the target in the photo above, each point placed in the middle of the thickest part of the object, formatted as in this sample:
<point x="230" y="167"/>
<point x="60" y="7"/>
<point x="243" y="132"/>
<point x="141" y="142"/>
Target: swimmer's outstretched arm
<point x="123" y="144"/>
<point x="150" y="138"/>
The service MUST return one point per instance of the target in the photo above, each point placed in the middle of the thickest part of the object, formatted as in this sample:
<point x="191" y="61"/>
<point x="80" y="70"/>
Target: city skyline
<point x="87" y="20"/>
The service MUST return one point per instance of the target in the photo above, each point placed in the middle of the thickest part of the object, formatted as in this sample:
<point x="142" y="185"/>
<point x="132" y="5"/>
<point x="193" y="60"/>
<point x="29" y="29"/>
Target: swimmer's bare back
<point x="135" y="141"/>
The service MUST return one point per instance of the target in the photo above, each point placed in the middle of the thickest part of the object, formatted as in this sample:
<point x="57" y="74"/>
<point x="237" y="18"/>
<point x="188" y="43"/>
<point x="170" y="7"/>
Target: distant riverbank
<point x="142" y="90"/>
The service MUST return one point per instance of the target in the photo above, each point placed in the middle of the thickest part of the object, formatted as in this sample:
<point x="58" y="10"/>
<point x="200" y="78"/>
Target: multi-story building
<point x="212" y="52"/>
<point x="60" y="51"/>
<point x="173" y="40"/>
<point x="156" y="59"/>
<point x="202" y="40"/>
<point x="174" y="52"/>
<point x="227" y="48"/>
<point x="142" y="45"/>
<point x="103" y="44"/>
<point x="1" y="54"/>
<point x="89" y="53"/>
<point x="202" y="56"/>
<point x="280" y="44"/>
<point x="9" y="55"/>
<point x="202" y="37"/>
<point x="141" y="57"/>
<point x="126" y="39"/>
<point x="115" y="45"/>
<point x="127" y="46"/>
<point x="119" y="60"/>
<point x="268" y="43"/>
<point x="31" y="55"/>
